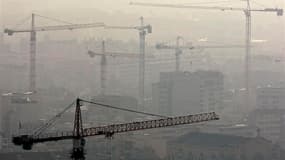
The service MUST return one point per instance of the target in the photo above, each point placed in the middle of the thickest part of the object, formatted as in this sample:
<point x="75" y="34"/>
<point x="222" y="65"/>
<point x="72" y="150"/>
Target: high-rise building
<point x="179" y="93"/>
<point x="268" y="117"/>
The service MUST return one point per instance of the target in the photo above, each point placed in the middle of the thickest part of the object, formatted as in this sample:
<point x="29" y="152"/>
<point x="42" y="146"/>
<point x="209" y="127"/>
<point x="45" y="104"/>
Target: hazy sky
<point x="121" y="5"/>
<point x="107" y="3"/>
<point x="167" y="22"/>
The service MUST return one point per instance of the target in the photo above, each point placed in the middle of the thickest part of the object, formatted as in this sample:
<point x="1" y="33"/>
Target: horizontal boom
<point x="27" y="141"/>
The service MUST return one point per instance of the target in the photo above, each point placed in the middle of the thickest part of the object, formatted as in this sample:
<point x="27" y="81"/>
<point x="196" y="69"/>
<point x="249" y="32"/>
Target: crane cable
<point x="17" y="25"/>
<point x="258" y="3"/>
<point x="49" y="123"/>
<point x="122" y="109"/>
<point x="54" y="19"/>
<point x="52" y="121"/>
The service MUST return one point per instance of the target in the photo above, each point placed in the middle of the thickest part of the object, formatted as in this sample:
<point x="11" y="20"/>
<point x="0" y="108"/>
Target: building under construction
<point x="67" y="98"/>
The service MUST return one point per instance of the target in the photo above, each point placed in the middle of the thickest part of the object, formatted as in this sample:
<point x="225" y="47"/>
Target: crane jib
<point x="27" y="141"/>
<point x="150" y="124"/>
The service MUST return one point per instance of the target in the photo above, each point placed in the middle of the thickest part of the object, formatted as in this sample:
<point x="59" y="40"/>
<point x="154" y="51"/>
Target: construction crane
<point x="33" y="30"/>
<point x="247" y="11"/>
<point x="79" y="133"/>
<point x="103" y="63"/>
<point x="179" y="49"/>
<point x="143" y="31"/>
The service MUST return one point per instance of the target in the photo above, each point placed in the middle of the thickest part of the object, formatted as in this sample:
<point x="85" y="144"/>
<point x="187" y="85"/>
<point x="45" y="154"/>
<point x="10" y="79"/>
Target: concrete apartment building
<point x="269" y="115"/>
<point x="179" y="93"/>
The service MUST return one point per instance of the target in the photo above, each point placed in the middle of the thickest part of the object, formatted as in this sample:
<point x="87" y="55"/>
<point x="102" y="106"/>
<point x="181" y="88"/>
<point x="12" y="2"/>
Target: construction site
<point x="142" y="80"/>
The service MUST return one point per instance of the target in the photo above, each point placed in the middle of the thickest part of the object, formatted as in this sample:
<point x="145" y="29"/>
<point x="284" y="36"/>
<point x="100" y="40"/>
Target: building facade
<point x="179" y="93"/>
<point x="270" y="98"/>
<point x="268" y="117"/>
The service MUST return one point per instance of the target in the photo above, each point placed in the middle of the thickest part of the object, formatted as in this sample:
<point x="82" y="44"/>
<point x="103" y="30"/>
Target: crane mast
<point x="143" y="31"/>
<point x="142" y="34"/>
<point x="247" y="79"/>
<point x="79" y="133"/>
<point x="178" y="52"/>
<point x="103" y="68"/>
<point x="33" y="45"/>
<point x="78" y="140"/>
<point x="103" y="63"/>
